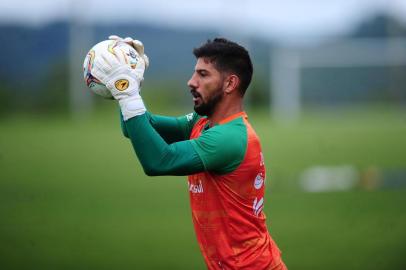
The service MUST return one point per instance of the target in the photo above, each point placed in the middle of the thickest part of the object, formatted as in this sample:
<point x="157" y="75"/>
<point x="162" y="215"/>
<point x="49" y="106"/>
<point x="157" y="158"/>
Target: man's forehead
<point x="204" y="63"/>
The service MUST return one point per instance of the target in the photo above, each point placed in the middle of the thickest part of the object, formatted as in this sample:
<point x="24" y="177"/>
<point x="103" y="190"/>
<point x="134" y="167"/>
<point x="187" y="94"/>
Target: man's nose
<point x="192" y="82"/>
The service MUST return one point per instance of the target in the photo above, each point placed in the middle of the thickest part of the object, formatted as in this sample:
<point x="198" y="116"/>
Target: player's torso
<point x="227" y="209"/>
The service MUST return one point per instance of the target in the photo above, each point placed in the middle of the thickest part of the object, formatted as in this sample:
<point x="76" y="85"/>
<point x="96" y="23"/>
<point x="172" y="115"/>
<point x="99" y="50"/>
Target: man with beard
<point x="215" y="146"/>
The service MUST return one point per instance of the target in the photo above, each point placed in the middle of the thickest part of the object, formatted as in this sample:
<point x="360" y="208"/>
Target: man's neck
<point x="224" y="110"/>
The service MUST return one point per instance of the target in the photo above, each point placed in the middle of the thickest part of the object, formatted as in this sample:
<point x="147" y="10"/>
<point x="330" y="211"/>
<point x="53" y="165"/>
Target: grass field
<point x="73" y="196"/>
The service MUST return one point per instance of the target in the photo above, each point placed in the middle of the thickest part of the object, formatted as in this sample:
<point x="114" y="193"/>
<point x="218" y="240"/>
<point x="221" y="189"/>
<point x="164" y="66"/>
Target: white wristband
<point x="132" y="106"/>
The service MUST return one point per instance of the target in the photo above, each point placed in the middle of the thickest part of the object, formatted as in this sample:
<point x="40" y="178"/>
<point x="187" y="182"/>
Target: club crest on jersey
<point x="259" y="181"/>
<point x="189" y="117"/>
<point x="196" y="188"/>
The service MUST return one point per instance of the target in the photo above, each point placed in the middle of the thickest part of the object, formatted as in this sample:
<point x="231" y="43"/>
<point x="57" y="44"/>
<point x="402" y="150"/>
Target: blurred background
<point x="328" y="100"/>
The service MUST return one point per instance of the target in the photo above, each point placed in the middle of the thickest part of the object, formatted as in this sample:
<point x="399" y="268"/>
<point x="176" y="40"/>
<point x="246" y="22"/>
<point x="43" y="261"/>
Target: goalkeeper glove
<point x="122" y="80"/>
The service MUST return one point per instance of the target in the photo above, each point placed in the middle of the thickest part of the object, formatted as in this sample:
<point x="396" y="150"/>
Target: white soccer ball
<point x="95" y="85"/>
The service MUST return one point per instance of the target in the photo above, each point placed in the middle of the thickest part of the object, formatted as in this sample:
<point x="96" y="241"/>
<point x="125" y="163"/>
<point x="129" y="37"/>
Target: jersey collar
<point x="232" y="117"/>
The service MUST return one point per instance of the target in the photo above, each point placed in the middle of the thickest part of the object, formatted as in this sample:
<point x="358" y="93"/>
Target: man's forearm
<point x="156" y="156"/>
<point x="167" y="127"/>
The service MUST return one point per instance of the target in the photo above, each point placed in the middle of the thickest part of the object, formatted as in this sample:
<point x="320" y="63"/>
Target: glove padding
<point x="122" y="80"/>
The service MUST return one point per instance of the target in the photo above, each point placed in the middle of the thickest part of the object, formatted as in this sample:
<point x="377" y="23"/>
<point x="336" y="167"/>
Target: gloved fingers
<point x="115" y="37"/>
<point x="111" y="57"/>
<point x="100" y="69"/>
<point x="138" y="46"/>
<point x="129" y="40"/>
<point x="120" y="55"/>
<point x="133" y="42"/>
<point x="103" y="65"/>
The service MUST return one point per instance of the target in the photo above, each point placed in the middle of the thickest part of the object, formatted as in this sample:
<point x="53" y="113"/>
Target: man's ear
<point x="232" y="83"/>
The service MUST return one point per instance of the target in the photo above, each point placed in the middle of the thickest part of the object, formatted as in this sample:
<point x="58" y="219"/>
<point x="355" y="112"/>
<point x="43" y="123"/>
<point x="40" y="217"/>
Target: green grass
<point x="73" y="196"/>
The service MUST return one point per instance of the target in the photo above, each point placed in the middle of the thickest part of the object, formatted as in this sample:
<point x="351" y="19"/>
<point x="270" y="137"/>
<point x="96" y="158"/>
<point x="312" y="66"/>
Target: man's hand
<point x="136" y="44"/>
<point x="121" y="79"/>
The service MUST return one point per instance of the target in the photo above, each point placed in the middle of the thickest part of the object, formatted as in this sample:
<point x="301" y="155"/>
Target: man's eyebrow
<point x="201" y="70"/>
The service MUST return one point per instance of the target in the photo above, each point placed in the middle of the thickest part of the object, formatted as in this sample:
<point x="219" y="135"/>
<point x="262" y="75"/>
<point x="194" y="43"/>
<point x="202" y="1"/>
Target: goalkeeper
<point x="215" y="146"/>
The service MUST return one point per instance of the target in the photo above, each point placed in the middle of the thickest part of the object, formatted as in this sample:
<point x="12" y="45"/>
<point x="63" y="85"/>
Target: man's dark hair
<point x="228" y="56"/>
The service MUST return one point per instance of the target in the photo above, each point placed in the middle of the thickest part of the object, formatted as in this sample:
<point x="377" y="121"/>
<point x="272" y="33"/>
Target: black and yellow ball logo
<point x="122" y="84"/>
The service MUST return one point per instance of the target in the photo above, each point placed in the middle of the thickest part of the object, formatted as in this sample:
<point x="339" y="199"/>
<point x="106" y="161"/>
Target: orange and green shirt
<point x="226" y="183"/>
<point x="227" y="198"/>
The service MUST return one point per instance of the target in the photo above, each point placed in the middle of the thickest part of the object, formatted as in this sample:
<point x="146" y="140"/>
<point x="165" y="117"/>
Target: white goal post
<point x="286" y="65"/>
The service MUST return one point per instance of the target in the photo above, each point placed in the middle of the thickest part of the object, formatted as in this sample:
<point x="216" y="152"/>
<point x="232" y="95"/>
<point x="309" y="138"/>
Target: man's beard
<point x="206" y="108"/>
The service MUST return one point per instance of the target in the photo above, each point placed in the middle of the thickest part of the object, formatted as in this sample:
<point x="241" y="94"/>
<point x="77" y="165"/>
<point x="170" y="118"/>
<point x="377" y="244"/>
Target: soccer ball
<point x="95" y="85"/>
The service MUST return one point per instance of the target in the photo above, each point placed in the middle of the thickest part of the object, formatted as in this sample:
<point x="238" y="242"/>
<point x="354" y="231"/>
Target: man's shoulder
<point x="228" y="136"/>
<point x="234" y="127"/>
<point x="229" y="132"/>
<point x="221" y="147"/>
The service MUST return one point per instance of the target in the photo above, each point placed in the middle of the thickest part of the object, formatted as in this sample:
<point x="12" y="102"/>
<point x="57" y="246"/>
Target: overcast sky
<point x="280" y="18"/>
